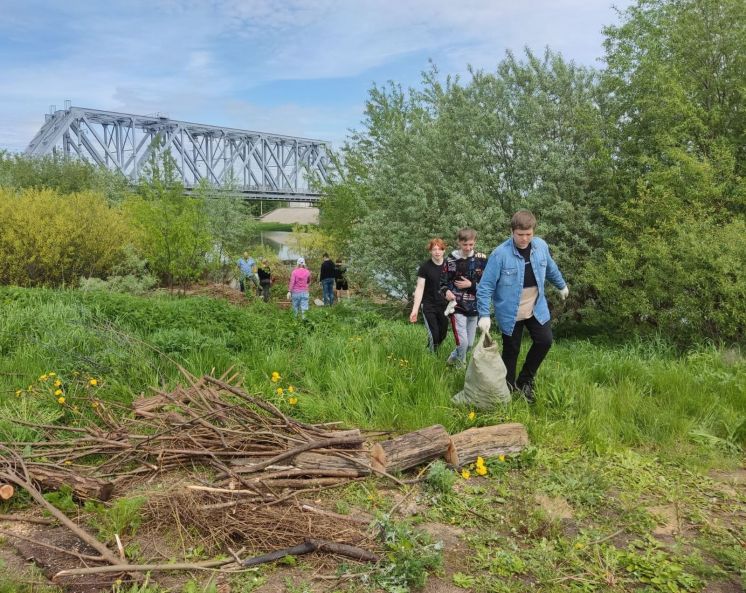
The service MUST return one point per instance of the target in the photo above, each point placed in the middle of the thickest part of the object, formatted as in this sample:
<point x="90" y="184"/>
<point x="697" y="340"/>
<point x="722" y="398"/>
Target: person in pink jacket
<point x="300" y="278"/>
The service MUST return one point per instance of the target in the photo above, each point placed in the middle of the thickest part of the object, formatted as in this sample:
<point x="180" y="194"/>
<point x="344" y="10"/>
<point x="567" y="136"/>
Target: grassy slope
<point x="369" y="369"/>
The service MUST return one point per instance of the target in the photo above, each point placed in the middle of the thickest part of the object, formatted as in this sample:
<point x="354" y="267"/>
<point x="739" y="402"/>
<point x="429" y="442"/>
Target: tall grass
<point x="368" y="368"/>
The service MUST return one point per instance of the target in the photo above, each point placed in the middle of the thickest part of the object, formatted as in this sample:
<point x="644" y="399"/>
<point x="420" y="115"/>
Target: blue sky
<point x="296" y="67"/>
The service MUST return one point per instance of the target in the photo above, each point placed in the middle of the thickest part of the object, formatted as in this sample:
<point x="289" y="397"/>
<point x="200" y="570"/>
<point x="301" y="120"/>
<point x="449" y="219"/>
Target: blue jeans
<point x="300" y="303"/>
<point x="465" y="329"/>
<point x="327" y="287"/>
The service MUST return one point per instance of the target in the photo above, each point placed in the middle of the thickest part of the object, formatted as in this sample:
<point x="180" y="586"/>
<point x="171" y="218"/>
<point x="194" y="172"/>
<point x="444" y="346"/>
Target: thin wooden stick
<point x="26" y="519"/>
<point x="207" y="565"/>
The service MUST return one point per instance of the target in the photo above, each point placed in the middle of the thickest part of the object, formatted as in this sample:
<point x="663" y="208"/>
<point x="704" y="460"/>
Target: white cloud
<point x="206" y="61"/>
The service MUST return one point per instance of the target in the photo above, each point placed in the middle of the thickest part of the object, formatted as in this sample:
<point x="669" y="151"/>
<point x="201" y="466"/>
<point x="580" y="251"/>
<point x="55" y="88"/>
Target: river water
<point x="283" y="243"/>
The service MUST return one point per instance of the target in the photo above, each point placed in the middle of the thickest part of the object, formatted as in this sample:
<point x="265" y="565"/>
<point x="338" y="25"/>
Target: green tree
<point x="65" y="175"/>
<point x="173" y="228"/>
<point x="229" y="223"/>
<point x="675" y="85"/>
<point x="452" y="154"/>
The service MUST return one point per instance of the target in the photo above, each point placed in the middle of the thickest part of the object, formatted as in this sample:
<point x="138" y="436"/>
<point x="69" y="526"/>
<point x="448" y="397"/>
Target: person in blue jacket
<point x="513" y="281"/>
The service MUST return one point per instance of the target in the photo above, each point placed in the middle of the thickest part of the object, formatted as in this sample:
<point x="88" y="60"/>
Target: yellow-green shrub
<point x="47" y="239"/>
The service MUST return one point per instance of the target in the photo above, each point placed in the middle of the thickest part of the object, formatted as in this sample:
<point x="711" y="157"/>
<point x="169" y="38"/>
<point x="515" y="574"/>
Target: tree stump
<point x="410" y="450"/>
<point x="486" y="441"/>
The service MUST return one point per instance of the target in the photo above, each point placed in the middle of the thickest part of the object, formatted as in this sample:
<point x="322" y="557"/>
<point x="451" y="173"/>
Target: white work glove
<point x="484" y="324"/>
<point x="450" y="308"/>
<point x="289" y="295"/>
<point x="564" y="292"/>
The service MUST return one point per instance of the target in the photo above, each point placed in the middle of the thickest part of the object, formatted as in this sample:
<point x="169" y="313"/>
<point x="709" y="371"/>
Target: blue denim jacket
<point x="502" y="282"/>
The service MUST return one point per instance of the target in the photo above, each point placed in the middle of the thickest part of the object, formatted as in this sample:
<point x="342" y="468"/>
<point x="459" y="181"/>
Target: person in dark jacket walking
<point x="327" y="277"/>
<point x="464" y="269"/>
<point x="265" y="279"/>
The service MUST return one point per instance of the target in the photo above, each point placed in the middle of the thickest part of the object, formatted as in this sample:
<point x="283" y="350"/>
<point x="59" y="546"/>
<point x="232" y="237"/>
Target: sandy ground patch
<point x="296" y="215"/>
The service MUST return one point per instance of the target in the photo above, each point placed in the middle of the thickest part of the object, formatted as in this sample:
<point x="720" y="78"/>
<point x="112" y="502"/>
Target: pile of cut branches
<point x="250" y="467"/>
<point x="251" y="471"/>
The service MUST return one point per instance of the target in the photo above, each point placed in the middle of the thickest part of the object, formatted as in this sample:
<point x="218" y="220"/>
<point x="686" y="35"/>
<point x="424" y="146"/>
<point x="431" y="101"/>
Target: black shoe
<point x="527" y="390"/>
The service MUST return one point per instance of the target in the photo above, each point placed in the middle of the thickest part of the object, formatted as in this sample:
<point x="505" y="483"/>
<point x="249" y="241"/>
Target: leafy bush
<point x="49" y="239"/>
<point x="682" y="278"/>
<point x="130" y="275"/>
<point x="62" y="174"/>
<point x="172" y="228"/>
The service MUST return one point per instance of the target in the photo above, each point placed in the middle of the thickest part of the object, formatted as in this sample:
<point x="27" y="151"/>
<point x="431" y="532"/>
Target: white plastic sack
<point x="484" y="383"/>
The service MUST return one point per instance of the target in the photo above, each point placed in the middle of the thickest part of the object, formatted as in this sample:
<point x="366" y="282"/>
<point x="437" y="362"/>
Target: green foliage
<point x="49" y="239"/>
<point x="228" y="222"/>
<point x="130" y="274"/>
<point x="62" y="499"/>
<point x="173" y="230"/>
<point x="682" y="278"/>
<point x="63" y="175"/>
<point x="447" y="155"/>
<point x="440" y="477"/>
<point x="355" y="364"/>
<point x="122" y="517"/>
<point x="673" y="259"/>
<point x="655" y="568"/>
<point x="410" y="556"/>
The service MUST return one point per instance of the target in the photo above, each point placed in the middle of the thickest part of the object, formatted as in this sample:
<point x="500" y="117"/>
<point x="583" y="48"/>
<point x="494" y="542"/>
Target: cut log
<point x="486" y="441"/>
<point x="83" y="487"/>
<point x="6" y="491"/>
<point x="352" y="433"/>
<point x="321" y="461"/>
<point x="410" y="450"/>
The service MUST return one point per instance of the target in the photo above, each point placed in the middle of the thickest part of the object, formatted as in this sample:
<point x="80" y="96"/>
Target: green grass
<point x="365" y="367"/>
<point x="618" y="429"/>
<point x="266" y="227"/>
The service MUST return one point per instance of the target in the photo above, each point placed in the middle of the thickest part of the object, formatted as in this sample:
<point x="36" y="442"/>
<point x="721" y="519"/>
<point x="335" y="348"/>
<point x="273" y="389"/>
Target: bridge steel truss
<point x="259" y="165"/>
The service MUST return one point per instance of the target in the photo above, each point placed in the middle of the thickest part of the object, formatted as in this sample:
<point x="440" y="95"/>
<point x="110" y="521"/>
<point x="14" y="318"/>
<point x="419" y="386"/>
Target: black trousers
<point x="437" y="327"/>
<point x="541" y="336"/>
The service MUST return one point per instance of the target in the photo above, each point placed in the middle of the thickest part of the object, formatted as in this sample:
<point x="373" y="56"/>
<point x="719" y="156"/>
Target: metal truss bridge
<point x="259" y="165"/>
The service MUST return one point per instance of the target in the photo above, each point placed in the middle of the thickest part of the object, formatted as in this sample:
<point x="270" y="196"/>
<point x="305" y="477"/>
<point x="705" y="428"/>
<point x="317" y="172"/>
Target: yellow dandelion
<point x="43" y="377"/>
<point x="292" y="400"/>
<point x="19" y="392"/>
<point x="94" y="404"/>
<point x="472" y="416"/>
<point x="480" y="462"/>
<point x="75" y="373"/>
<point x="58" y="391"/>
<point x="93" y="382"/>
<point x="30" y="388"/>
<point x="481" y="470"/>
<point x="280" y="391"/>
<point x="67" y="462"/>
<point x="579" y="546"/>
<point x="465" y="473"/>
<point x="501" y="457"/>
<point x="57" y="383"/>
<point x="61" y="401"/>
<point x="291" y="389"/>
<point x="52" y="374"/>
